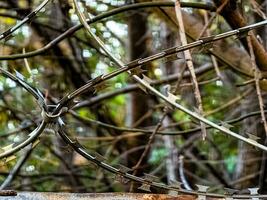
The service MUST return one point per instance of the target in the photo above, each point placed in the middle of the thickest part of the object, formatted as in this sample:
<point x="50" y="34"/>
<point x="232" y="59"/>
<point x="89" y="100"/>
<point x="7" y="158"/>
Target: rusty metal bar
<point x="95" y="196"/>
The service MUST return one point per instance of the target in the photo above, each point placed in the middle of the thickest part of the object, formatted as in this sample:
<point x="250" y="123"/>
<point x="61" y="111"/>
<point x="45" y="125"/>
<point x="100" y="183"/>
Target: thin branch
<point x="257" y="81"/>
<point x="17" y="167"/>
<point x="25" y="20"/>
<point x="190" y="65"/>
<point x="148" y="146"/>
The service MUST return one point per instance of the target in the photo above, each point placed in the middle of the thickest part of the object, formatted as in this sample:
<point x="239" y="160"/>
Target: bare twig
<point x="148" y="145"/>
<point x="190" y="64"/>
<point x="17" y="167"/>
<point x="257" y="82"/>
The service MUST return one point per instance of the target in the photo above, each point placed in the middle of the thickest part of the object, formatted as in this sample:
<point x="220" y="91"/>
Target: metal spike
<point x="172" y="98"/>
<point x="226" y="125"/>
<point x="150" y="178"/>
<point x="121" y="179"/>
<point x="99" y="157"/>
<point x="253" y="137"/>
<point x="123" y="169"/>
<point x="171" y="58"/>
<point x="147" y="182"/>
<point x="254" y="192"/>
<point x="253" y="141"/>
<point x="119" y="176"/>
<point x="145" y="187"/>
<point x="202" y="189"/>
<point x="174" y="187"/>
<point x="146" y="81"/>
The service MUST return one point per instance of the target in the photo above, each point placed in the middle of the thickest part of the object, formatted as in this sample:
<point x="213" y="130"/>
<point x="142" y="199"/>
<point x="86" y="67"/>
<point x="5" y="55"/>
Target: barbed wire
<point x="52" y="114"/>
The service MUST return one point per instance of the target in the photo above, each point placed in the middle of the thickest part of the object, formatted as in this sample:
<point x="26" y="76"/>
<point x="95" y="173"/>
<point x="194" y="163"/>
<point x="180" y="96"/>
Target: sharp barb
<point x="123" y="169"/>
<point x="226" y="125"/>
<point x="202" y="189"/>
<point x="120" y="175"/>
<point x="148" y="181"/>
<point x="254" y="192"/>
<point x="172" y="97"/>
<point x="174" y="187"/>
<point x="147" y="82"/>
<point x="121" y="179"/>
<point x="171" y="58"/>
<point x="99" y="157"/>
<point x="253" y="137"/>
<point x="150" y="178"/>
<point x="145" y="187"/>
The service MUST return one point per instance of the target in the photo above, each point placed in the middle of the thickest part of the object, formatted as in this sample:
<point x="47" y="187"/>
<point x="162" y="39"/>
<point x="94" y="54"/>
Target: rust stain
<point x="95" y="196"/>
<point x="167" y="197"/>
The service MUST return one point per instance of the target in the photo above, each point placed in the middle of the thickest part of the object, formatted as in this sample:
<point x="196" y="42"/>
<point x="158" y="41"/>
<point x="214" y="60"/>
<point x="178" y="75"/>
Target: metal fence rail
<point x="95" y="196"/>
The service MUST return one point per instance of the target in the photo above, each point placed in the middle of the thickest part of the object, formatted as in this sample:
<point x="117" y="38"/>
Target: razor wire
<point x="52" y="113"/>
